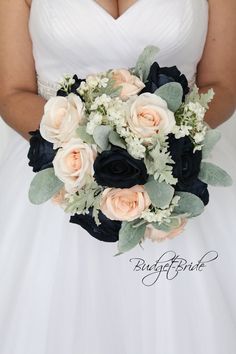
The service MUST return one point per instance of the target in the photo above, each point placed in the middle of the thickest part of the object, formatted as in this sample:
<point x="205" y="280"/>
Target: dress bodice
<point x="71" y="36"/>
<point x="64" y="292"/>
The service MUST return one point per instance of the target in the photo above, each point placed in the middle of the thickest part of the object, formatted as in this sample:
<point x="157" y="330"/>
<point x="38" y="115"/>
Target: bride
<point x="62" y="291"/>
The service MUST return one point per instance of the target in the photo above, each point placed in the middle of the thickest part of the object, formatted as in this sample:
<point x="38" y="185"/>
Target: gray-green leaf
<point x="116" y="140"/>
<point x="101" y="136"/>
<point x="145" y="60"/>
<point x="82" y="134"/>
<point x="44" y="186"/>
<point x="172" y="93"/>
<point x="189" y="204"/>
<point x="211" y="138"/>
<point x="214" y="175"/>
<point x="167" y="227"/>
<point x="160" y="194"/>
<point x="129" y="237"/>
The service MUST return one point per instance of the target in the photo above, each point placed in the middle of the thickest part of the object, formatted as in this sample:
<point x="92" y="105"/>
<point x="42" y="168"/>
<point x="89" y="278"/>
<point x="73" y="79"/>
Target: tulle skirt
<point x="64" y="292"/>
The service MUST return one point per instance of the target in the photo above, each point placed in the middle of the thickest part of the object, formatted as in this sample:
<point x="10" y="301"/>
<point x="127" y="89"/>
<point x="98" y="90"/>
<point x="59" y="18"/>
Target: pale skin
<point x="22" y="108"/>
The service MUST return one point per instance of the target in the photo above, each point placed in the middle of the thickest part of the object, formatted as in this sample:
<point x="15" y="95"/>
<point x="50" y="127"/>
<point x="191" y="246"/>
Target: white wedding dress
<point x="61" y="290"/>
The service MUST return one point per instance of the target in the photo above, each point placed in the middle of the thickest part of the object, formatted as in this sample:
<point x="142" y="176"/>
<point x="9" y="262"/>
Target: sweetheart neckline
<point x="125" y="13"/>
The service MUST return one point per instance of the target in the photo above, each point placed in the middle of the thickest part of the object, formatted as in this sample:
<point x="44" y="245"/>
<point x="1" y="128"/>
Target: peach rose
<point x="149" y="114"/>
<point x="59" y="197"/>
<point x="73" y="163"/>
<point x="124" y="204"/>
<point x="61" y="117"/>
<point x="158" y="235"/>
<point x="131" y="84"/>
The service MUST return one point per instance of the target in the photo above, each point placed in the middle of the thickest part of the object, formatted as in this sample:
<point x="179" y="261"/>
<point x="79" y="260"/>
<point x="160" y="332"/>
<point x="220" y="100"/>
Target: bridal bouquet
<point x="123" y="152"/>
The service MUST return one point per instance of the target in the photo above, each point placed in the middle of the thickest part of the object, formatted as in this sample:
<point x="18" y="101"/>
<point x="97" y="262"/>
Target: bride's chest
<point x="70" y="22"/>
<point x="83" y="34"/>
<point x="116" y="8"/>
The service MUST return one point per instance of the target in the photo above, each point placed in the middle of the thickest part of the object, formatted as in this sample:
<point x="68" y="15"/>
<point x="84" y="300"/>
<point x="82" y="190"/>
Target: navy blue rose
<point x="107" y="231"/>
<point x="197" y="187"/>
<point x="41" y="152"/>
<point x="187" y="162"/>
<point x="117" y="168"/>
<point x="73" y="88"/>
<point x="187" y="167"/>
<point x="160" y="76"/>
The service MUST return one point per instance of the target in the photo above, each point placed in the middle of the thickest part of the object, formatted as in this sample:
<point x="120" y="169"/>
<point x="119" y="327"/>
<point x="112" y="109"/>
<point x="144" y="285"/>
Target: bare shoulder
<point x="219" y="56"/>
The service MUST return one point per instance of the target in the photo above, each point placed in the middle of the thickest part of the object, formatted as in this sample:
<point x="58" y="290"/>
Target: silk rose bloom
<point x="61" y="117"/>
<point x="158" y="235"/>
<point x="73" y="163"/>
<point x="59" y="198"/>
<point x="124" y="204"/>
<point x="149" y="114"/>
<point x="131" y="84"/>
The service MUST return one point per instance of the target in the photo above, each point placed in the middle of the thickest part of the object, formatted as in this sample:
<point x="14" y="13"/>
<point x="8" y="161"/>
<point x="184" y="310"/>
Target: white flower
<point x="82" y="88"/>
<point x="117" y="112"/>
<point x="102" y="100"/>
<point x="199" y="137"/>
<point x="95" y="119"/>
<point x="160" y="215"/>
<point x="197" y="108"/>
<point x="103" y="82"/>
<point x="181" y="131"/>
<point x="198" y="148"/>
<point x="92" y="81"/>
<point x="135" y="147"/>
<point x="62" y="115"/>
<point x="74" y="163"/>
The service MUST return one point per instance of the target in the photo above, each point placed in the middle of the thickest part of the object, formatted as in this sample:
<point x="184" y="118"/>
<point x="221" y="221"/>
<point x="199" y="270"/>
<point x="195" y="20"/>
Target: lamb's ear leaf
<point x="129" y="237"/>
<point x="144" y="62"/>
<point x="44" y="186"/>
<point x="101" y="136"/>
<point x="188" y="204"/>
<point x="214" y="175"/>
<point x="160" y="193"/>
<point x="167" y="227"/>
<point x="116" y="140"/>
<point x="83" y="135"/>
<point x="172" y="93"/>
<point x="211" y="138"/>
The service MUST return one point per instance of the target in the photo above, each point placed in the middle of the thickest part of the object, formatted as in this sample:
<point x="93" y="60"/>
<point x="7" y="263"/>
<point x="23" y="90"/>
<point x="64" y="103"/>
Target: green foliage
<point x="160" y="194"/>
<point x="211" y="138"/>
<point x="214" y="175"/>
<point x="111" y="89"/>
<point x="87" y="197"/>
<point x="145" y="60"/>
<point x="172" y="93"/>
<point x="96" y="206"/>
<point x="188" y="204"/>
<point x="101" y="136"/>
<point x="83" y="135"/>
<point x="116" y="140"/>
<point x="158" y="162"/>
<point x="44" y="186"/>
<point x="203" y="98"/>
<point x="129" y="236"/>
<point x="167" y="226"/>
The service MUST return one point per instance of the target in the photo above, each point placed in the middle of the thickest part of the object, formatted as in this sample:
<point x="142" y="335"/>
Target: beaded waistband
<point x="49" y="89"/>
